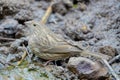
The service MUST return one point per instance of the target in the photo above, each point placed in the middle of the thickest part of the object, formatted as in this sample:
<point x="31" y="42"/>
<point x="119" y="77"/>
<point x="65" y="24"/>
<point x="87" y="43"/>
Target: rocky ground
<point x="93" y="23"/>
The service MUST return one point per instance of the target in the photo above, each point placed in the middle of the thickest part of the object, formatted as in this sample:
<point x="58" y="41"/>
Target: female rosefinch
<point x="47" y="45"/>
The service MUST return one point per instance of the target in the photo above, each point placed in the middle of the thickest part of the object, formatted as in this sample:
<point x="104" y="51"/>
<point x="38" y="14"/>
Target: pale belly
<point x="48" y="56"/>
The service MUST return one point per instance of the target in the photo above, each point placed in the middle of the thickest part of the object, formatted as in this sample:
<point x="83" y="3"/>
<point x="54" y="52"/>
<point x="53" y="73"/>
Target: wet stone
<point x="24" y="15"/>
<point x="90" y="36"/>
<point x="99" y="36"/>
<point x="10" y="7"/>
<point x="108" y="50"/>
<point x="9" y="27"/>
<point x="1" y="66"/>
<point x="62" y="6"/>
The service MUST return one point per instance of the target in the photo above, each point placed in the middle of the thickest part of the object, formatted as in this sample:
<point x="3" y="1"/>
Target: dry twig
<point x="47" y="14"/>
<point x="7" y="39"/>
<point x="114" y="59"/>
<point x="23" y="56"/>
<point x="6" y="44"/>
<point x="111" y="70"/>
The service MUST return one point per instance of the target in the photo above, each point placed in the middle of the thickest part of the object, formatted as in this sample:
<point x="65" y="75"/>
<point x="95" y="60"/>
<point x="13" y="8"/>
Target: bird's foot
<point x="46" y="63"/>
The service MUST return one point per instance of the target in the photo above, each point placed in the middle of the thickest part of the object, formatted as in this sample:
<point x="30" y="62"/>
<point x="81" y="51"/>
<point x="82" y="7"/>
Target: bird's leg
<point x="55" y="62"/>
<point x="46" y="63"/>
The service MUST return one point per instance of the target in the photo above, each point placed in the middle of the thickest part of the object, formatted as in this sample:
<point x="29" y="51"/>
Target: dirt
<point x="93" y="23"/>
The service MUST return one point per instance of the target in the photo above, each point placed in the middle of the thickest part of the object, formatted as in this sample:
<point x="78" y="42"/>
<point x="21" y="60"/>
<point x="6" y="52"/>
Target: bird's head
<point x="33" y="24"/>
<point x="36" y="27"/>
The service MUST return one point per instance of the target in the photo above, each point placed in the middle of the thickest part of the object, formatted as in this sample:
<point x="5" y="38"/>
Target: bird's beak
<point x="28" y="23"/>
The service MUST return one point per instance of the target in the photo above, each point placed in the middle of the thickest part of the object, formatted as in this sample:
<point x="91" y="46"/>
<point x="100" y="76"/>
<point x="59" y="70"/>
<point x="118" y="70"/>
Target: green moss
<point x="75" y="6"/>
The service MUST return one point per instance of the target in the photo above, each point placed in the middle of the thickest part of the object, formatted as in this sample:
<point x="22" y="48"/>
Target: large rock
<point x="86" y="68"/>
<point x="8" y="7"/>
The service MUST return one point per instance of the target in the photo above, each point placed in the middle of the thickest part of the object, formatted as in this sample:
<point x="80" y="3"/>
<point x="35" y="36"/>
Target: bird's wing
<point x="62" y="49"/>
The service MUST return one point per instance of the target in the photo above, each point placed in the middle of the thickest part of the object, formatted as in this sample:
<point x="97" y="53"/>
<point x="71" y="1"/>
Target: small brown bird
<point x="49" y="46"/>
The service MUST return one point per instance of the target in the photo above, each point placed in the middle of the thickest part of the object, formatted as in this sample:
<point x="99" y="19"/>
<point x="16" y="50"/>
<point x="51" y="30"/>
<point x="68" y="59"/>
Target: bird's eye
<point x="34" y="24"/>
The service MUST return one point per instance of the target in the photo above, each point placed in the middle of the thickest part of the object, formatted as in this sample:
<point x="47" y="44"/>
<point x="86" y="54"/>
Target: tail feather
<point x="97" y="55"/>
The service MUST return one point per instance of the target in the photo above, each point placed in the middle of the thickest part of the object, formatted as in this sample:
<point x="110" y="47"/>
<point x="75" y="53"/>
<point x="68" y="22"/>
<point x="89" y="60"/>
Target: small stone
<point x="14" y="58"/>
<point x="85" y="29"/>
<point x="116" y="67"/>
<point x="59" y="8"/>
<point x="9" y="27"/>
<point x="16" y="46"/>
<point x="62" y="6"/>
<point x="10" y="7"/>
<point x="91" y="42"/>
<point x="87" y="68"/>
<point x="20" y="31"/>
<point x="118" y="50"/>
<point x="82" y="6"/>
<point x="90" y="36"/>
<point x="1" y="66"/>
<point x="99" y="36"/>
<point x="4" y="50"/>
<point x="24" y="15"/>
<point x="108" y="50"/>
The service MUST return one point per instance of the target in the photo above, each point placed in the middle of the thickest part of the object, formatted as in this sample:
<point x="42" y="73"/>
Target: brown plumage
<point x="47" y="45"/>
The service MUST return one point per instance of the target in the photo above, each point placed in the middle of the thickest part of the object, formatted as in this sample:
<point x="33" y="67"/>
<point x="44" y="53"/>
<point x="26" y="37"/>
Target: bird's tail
<point x="97" y="55"/>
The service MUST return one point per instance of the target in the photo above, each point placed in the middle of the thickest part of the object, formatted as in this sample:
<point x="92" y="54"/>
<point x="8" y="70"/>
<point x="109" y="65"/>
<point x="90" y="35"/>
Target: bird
<point x="47" y="45"/>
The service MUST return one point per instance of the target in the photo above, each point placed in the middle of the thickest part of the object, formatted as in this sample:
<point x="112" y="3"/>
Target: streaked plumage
<point x="47" y="45"/>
